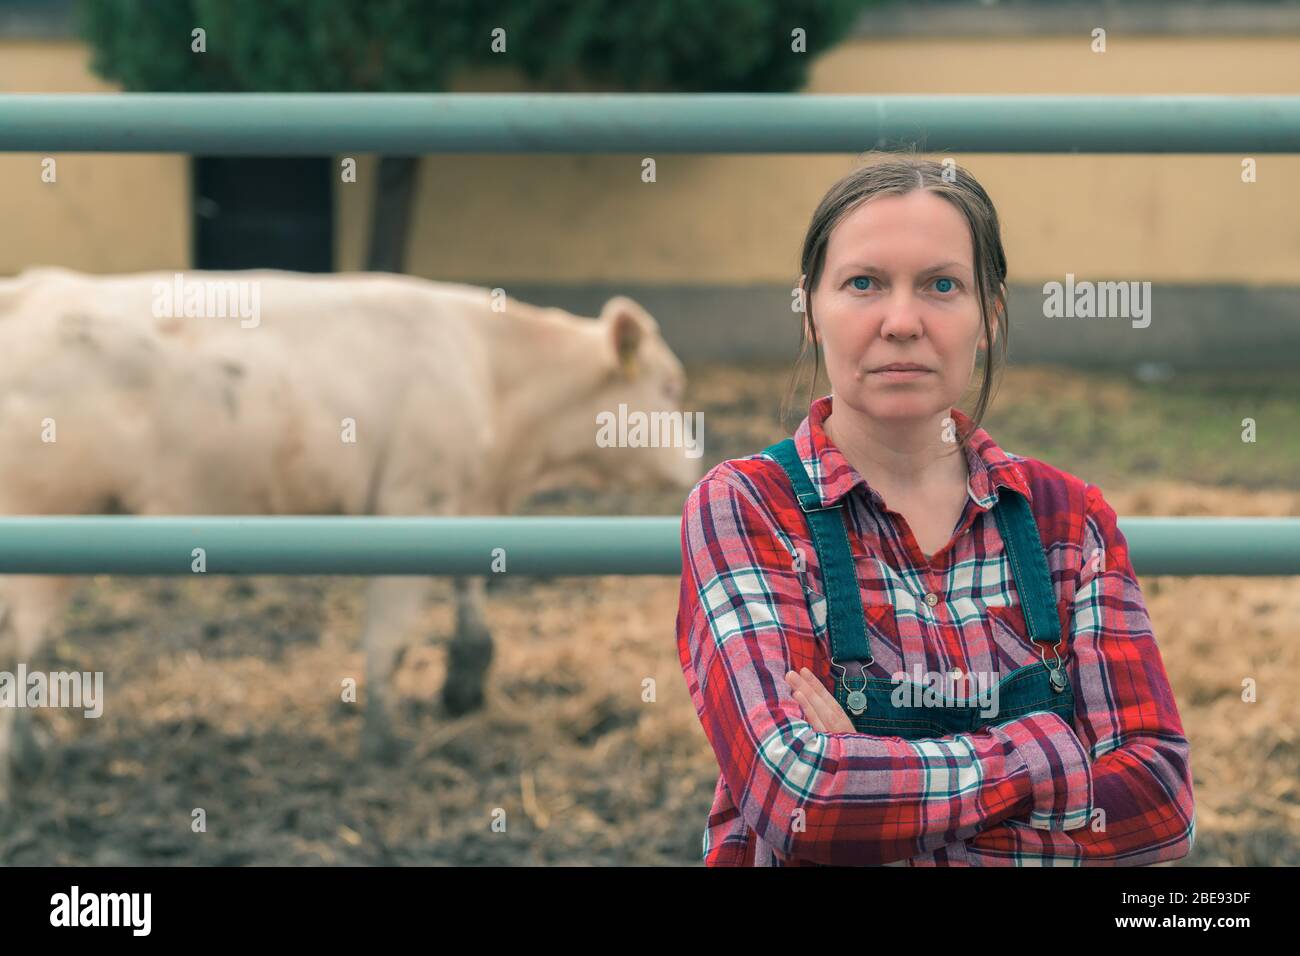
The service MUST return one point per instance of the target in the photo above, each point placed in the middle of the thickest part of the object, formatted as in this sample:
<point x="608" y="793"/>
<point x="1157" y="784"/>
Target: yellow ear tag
<point x="629" y="366"/>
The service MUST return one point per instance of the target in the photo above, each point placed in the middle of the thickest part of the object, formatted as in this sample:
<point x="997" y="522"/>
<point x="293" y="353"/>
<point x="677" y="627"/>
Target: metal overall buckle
<point x="856" y="701"/>
<point x="1056" y="674"/>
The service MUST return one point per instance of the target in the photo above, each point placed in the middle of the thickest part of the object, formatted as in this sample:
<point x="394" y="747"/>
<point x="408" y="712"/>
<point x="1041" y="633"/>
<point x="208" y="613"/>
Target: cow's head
<point x="640" y="434"/>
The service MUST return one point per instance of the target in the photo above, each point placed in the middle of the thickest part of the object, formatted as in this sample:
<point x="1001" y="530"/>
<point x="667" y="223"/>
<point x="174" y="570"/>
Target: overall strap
<point x="830" y="538"/>
<point x="1024" y="548"/>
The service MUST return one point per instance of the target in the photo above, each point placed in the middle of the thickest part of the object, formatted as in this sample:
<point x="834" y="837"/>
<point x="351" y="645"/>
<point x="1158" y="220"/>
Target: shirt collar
<point x="833" y="477"/>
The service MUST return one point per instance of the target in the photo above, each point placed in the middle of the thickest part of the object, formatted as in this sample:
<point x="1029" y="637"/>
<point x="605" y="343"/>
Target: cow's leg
<point x="470" y="652"/>
<point x="392" y="603"/>
<point x="29" y="605"/>
<point x="428" y="468"/>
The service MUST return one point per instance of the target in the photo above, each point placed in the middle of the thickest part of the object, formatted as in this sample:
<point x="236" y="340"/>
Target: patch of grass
<point x="1109" y="426"/>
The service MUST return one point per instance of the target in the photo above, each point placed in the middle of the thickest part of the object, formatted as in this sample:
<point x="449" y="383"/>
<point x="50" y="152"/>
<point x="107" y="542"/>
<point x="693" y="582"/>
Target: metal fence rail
<point x="410" y="123"/>
<point x="546" y="546"/>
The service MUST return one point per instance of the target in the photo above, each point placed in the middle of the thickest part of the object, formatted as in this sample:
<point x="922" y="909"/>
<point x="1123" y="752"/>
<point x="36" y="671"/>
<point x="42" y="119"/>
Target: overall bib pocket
<point x="870" y="702"/>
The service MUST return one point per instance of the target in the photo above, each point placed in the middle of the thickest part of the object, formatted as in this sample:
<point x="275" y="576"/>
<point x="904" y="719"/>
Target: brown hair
<point x="897" y="175"/>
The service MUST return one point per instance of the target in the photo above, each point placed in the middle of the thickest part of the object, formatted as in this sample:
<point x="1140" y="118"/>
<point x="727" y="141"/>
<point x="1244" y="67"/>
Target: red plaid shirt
<point x="1114" y="786"/>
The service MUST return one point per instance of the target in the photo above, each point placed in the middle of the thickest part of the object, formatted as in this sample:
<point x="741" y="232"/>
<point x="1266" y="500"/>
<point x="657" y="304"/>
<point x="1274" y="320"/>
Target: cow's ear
<point x="626" y="331"/>
<point x="623" y="303"/>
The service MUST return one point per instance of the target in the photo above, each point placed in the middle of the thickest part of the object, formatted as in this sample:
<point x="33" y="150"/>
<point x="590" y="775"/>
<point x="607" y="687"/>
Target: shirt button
<point x="932" y="599"/>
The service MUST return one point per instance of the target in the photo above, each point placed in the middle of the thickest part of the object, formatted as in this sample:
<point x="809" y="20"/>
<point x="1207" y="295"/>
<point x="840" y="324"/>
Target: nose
<point x="902" y="316"/>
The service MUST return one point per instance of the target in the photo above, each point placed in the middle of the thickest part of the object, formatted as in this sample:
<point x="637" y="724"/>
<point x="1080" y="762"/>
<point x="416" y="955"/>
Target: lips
<point x="901" y="367"/>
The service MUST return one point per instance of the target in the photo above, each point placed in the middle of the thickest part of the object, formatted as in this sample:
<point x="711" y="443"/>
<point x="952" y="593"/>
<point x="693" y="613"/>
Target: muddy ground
<point x="224" y="694"/>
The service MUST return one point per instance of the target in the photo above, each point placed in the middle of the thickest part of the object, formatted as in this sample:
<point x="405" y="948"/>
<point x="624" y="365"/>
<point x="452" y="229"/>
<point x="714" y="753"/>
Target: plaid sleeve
<point x="841" y="798"/>
<point x="1125" y="712"/>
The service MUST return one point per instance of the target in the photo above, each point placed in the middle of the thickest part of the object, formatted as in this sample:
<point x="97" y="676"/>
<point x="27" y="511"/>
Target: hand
<point x="820" y="708"/>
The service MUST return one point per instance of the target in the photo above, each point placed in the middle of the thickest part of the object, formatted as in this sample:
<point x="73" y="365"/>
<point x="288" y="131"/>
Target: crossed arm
<point x="1023" y="791"/>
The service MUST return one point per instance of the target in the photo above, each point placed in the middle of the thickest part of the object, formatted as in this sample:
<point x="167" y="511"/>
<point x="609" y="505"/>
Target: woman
<point x="906" y="645"/>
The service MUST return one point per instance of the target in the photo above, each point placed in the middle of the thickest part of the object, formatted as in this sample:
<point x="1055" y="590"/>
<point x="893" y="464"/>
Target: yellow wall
<point x="713" y="219"/>
<point x="106" y="212"/>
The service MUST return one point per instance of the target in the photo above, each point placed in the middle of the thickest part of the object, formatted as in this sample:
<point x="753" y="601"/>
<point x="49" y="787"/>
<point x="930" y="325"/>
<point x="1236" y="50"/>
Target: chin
<point x="901" y="407"/>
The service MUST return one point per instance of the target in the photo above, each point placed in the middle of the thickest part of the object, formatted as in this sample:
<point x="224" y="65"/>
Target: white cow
<point x="267" y="392"/>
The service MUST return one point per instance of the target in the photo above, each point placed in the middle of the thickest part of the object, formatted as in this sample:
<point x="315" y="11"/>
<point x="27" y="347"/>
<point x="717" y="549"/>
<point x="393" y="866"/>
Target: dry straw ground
<point x="223" y="693"/>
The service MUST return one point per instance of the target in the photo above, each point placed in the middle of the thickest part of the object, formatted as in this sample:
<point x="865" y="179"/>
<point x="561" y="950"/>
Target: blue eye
<point x="860" y="283"/>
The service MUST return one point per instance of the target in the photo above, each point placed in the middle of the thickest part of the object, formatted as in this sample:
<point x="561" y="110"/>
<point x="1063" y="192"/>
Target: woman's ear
<point x="981" y="345"/>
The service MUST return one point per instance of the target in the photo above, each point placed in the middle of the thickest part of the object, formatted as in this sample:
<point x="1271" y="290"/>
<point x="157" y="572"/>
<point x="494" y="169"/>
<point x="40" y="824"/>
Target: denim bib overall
<point x="870" y="702"/>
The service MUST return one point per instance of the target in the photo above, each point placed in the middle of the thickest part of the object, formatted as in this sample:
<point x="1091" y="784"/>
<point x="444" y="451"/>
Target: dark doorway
<point x="254" y="212"/>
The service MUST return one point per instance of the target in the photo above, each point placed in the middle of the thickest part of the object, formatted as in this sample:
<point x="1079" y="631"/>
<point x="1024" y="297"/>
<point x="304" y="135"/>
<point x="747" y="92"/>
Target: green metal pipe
<point x="642" y="123"/>
<point x="116" y="544"/>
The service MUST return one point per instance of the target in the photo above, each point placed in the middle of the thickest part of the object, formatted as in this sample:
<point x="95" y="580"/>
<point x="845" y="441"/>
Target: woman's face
<point x="899" y="286"/>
